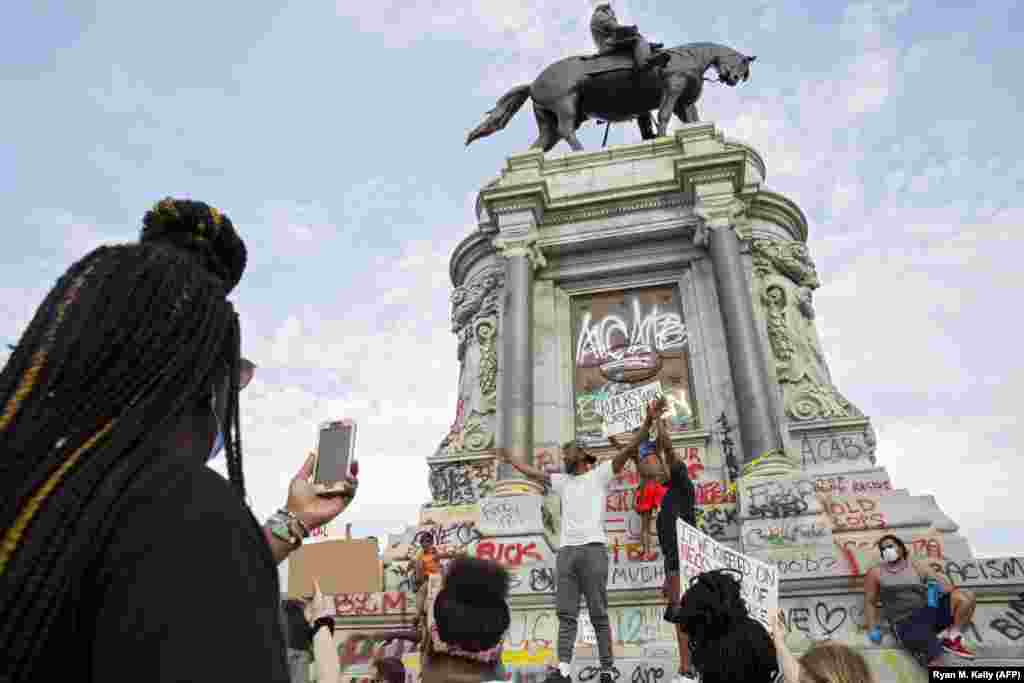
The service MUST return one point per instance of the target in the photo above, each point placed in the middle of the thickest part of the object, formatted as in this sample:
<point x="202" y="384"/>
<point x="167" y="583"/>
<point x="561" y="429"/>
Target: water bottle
<point x="934" y="593"/>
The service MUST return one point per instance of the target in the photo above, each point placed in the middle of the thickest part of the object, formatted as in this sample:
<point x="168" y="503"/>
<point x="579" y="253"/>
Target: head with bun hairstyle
<point x="118" y="368"/>
<point x="200" y="230"/>
<point x="471" y="614"/>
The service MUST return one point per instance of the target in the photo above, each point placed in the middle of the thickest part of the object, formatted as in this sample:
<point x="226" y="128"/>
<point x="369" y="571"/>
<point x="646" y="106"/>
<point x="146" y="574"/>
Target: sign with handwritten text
<point x="759" y="585"/>
<point x="625" y="411"/>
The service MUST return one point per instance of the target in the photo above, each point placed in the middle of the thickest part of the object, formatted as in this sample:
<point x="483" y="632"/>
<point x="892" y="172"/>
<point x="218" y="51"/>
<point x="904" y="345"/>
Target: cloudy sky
<point x="332" y="134"/>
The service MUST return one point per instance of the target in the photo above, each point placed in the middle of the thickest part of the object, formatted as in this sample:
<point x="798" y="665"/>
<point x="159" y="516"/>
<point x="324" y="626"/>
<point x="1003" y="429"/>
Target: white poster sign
<point x="626" y="411"/>
<point x="699" y="553"/>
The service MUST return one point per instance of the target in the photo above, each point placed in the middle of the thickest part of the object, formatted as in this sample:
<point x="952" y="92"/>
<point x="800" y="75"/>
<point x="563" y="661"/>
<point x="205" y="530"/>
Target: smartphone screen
<point x="335" y="450"/>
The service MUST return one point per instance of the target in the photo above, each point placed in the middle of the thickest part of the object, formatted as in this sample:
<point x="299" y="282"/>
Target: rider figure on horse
<point x="611" y="37"/>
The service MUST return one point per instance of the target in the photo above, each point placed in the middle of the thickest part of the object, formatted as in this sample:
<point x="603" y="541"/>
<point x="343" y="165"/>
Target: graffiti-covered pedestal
<point x="595" y="276"/>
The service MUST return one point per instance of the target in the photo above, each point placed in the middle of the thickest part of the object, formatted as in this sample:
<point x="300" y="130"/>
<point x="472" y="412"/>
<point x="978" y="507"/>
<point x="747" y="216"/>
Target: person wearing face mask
<point x="115" y="535"/>
<point x="924" y="626"/>
<point x="209" y="239"/>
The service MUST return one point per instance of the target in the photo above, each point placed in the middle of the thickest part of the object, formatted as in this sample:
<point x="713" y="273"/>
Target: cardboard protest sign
<point x="699" y="553"/>
<point x="625" y="411"/>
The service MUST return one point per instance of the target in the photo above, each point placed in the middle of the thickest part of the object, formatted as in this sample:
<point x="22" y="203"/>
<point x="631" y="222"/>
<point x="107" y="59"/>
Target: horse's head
<point x="734" y="68"/>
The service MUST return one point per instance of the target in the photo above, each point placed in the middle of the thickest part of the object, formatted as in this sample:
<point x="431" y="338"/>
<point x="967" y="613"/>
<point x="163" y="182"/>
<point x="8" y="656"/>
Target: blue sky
<point x="332" y="134"/>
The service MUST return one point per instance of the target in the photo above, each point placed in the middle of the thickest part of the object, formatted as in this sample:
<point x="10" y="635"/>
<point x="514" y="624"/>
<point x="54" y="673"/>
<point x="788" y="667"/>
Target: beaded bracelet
<point x="293" y="518"/>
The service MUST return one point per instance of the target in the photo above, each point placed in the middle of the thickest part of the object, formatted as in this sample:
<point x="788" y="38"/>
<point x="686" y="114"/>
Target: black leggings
<point x="666" y="526"/>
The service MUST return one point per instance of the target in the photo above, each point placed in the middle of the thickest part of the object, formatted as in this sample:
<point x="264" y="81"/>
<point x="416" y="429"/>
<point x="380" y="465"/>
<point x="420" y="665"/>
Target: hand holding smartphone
<point x="335" y="458"/>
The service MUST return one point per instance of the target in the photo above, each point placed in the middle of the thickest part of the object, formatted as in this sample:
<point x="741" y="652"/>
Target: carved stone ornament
<point x="793" y="261"/>
<point x="870" y="441"/>
<point x="774" y="300"/>
<point x="476" y="433"/>
<point x="521" y="246"/>
<point x="786" y="278"/>
<point x="717" y="213"/>
<point x="486" y="337"/>
<point x="474" y="300"/>
<point x="808" y="400"/>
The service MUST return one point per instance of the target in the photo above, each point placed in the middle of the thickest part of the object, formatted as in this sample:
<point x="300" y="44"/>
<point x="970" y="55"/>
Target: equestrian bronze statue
<point x="617" y="85"/>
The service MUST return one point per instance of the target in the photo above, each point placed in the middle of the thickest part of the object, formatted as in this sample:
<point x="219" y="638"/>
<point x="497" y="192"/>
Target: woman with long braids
<point x="122" y="555"/>
<point x="726" y="644"/>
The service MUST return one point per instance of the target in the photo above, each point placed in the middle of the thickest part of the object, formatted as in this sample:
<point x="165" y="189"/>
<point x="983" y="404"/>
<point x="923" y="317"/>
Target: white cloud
<point x="392" y="364"/>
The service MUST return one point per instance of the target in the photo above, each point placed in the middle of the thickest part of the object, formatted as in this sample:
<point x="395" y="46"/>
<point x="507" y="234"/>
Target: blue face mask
<point x="218" y="442"/>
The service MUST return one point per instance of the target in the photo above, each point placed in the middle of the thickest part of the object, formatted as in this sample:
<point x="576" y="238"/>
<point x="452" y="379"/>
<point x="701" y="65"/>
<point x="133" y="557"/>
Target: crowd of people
<point x="124" y="552"/>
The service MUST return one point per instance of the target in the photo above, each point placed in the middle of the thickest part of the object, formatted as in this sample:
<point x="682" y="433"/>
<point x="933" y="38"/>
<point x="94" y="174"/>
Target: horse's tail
<point x="497" y="118"/>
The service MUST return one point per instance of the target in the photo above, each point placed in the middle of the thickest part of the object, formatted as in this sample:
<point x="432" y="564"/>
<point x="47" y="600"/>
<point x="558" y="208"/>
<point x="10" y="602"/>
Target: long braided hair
<point x="130" y="341"/>
<point x="726" y="643"/>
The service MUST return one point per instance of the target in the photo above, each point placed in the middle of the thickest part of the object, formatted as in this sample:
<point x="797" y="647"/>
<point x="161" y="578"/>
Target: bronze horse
<point x="607" y="88"/>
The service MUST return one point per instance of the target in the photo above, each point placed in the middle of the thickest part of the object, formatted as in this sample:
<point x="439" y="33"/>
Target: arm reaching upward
<point x="626" y="451"/>
<point x="665" y="444"/>
<point x="528" y="470"/>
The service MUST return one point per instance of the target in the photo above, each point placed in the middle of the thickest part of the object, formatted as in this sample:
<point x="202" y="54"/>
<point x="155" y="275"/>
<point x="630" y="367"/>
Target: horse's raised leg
<point x="547" y="125"/>
<point x="565" y="110"/>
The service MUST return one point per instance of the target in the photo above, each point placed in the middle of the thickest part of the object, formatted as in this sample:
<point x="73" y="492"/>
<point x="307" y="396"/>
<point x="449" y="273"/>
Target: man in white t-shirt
<point x="582" y="561"/>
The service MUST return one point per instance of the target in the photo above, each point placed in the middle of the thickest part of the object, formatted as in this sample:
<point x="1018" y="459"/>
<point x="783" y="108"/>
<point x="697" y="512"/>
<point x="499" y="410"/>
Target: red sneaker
<point x="956" y="646"/>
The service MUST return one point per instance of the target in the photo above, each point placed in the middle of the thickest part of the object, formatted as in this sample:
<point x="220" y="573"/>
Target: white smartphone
<point x="335" y="456"/>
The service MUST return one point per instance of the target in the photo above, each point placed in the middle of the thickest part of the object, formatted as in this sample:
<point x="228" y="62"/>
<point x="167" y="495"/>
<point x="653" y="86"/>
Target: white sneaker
<point x="680" y="678"/>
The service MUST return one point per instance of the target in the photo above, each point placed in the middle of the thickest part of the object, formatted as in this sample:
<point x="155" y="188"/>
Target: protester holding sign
<point x="726" y="643"/>
<point x="581" y="565"/>
<point x="759" y="582"/>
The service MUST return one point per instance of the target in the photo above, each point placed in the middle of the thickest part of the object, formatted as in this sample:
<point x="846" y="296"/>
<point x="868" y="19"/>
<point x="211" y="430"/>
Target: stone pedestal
<point x="593" y="273"/>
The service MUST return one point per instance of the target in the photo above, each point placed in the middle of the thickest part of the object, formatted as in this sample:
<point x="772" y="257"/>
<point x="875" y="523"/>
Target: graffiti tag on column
<point x="502" y="514"/>
<point x="801" y="531"/>
<point x="827" y="619"/>
<point x="612" y="339"/>
<point x="773" y="500"/>
<point x="861" y="513"/>
<point x="830" y="450"/>
<point x="841" y="484"/>
<point x="991" y="569"/>
<point x="647" y="674"/>
<point x="460" y="483"/>
<point x="1011" y="624"/>
<point x="512" y="554"/>
<point x="542" y="579"/>
<point x="715" y="520"/>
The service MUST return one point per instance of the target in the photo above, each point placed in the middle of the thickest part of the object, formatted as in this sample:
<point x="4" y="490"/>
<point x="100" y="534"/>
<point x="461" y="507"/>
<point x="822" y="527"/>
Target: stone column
<point x="717" y="204"/>
<point x="517" y="244"/>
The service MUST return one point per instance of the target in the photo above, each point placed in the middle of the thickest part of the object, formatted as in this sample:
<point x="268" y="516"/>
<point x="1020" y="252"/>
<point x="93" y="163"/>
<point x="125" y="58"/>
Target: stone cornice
<point x="462" y="457"/>
<point x="475" y="247"/>
<point x="849" y="423"/>
<point x="589" y="211"/>
<point x="728" y="166"/>
<point x="529" y="196"/>
<point x="775" y="208"/>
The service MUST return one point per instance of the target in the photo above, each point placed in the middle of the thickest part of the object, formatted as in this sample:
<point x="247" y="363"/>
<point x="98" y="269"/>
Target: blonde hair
<point x="830" y="662"/>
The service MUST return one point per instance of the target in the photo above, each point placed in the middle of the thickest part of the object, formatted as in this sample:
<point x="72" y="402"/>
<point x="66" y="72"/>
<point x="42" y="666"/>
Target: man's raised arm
<point x="626" y="448"/>
<point x="527" y="470"/>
